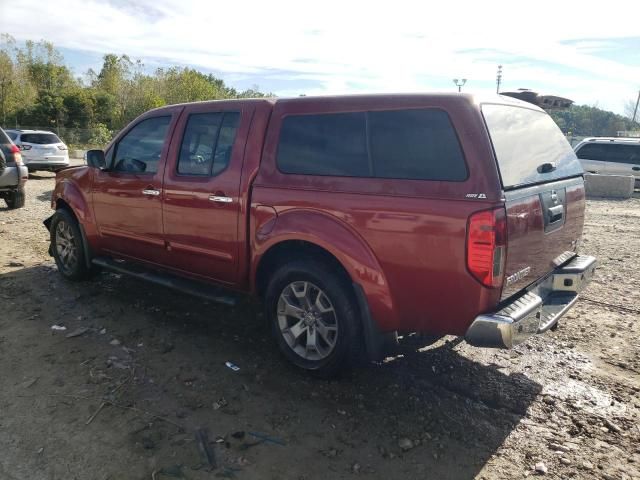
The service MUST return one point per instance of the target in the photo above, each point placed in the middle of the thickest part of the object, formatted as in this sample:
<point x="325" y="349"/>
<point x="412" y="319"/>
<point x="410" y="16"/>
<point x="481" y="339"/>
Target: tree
<point x="585" y="120"/>
<point x="630" y="110"/>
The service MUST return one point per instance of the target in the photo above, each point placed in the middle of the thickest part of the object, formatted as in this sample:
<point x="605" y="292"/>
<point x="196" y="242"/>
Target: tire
<point x="326" y="339"/>
<point x="16" y="198"/>
<point x="67" y="246"/>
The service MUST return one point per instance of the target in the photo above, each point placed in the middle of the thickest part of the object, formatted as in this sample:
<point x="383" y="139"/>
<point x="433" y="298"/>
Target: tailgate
<point x="544" y="224"/>
<point x="543" y="190"/>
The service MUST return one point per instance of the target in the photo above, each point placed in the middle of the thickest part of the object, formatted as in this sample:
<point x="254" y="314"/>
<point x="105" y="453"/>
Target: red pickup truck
<point x="352" y="218"/>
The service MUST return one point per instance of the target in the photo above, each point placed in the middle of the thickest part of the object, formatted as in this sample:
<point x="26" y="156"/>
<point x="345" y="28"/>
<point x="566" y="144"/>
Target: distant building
<point x="628" y="133"/>
<point x="547" y="102"/>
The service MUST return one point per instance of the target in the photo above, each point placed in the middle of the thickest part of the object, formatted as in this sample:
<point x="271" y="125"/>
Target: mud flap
<point x="47" y="225"/>
<point x="376" y="343"/>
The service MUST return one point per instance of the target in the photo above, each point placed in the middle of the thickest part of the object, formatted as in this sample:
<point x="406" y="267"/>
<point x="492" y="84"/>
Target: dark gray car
<point x="13" y="173"/>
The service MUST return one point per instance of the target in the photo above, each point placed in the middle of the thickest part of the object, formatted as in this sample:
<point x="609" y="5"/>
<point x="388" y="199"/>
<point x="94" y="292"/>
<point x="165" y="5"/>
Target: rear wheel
<point x="313" y="317"/>
<point x="68" y="249"/>
<point x="16" y="198"/>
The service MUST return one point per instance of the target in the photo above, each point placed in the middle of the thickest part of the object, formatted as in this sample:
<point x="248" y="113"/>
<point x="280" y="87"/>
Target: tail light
<point x="25" y="147"/>
<point x="486" y="246"/>
<point x="62" y="147"/>
<point x="17" y="156"/>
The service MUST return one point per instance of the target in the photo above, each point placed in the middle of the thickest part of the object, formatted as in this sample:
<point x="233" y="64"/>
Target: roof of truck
<point x="455" y="97"/>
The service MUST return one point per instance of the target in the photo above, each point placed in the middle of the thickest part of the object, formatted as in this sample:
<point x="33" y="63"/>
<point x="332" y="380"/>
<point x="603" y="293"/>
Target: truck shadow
<point x="455" y="411"/>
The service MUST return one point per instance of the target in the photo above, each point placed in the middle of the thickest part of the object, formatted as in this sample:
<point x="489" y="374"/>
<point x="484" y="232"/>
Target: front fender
<point x="345" y="244"/>
<point x="73" y="187"/>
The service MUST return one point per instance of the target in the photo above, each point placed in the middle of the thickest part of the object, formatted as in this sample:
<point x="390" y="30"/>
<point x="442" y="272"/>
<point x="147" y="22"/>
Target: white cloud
<point x="356" y="46"/>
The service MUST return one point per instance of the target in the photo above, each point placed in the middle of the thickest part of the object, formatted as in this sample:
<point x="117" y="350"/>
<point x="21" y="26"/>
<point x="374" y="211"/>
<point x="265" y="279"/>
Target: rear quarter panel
<point x="415" y="230"/>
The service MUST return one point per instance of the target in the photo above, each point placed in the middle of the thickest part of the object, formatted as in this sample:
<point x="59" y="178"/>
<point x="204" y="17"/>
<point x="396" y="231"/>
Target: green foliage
<point x="584" y="120"/>
<point x="100" y="135"/>
<point x="38" y="89"/>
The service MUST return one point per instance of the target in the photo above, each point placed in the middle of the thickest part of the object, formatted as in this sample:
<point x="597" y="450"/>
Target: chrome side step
<point x="174" y="282"/>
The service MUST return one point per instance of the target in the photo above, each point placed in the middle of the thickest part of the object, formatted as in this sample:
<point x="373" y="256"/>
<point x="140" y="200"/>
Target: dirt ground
<point x="140" y="390"/>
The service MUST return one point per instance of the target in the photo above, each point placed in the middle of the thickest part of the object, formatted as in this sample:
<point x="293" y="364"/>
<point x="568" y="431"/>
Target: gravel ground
<point x="142" y="380"/>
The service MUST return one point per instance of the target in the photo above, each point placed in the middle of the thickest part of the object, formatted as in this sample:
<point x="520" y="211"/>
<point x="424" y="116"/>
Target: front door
<point x="202" y="190"/>
<point x="127" y="197"/>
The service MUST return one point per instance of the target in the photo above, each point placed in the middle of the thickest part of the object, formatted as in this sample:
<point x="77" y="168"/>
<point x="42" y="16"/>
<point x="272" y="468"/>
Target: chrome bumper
<point x="536" y="310"/>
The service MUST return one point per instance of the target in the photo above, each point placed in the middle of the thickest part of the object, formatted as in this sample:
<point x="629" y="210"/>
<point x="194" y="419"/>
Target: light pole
<point x="460" y="83"/>
<point x="498" y="78"/>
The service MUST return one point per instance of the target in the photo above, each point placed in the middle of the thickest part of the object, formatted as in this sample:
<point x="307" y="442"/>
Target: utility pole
<point x="498" y="78"/>
<point x="635" y="110"/>
<point x="460" y="83"/>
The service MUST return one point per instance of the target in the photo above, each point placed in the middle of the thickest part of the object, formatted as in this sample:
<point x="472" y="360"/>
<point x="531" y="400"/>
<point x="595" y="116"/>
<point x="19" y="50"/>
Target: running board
<point x="174" y="282"/>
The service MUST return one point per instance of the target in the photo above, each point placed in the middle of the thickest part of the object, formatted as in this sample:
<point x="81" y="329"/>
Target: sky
<point x="576" y="49"/>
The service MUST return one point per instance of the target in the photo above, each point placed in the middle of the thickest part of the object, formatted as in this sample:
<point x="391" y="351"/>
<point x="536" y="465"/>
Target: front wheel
<point x="313" y="317"/>
<point x="68" y="249"/>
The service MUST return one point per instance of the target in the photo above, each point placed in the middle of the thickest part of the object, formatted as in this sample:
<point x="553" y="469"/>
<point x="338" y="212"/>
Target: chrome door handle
<point x="151" y="191"/>
<point x="219" y="199"/>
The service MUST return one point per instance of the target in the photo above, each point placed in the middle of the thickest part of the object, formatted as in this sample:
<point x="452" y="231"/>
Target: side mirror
<point x="95" y="159"/>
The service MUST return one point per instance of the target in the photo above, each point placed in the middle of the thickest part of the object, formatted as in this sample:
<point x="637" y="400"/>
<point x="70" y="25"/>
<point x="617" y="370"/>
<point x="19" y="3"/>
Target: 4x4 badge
<point x="476" y="195"/>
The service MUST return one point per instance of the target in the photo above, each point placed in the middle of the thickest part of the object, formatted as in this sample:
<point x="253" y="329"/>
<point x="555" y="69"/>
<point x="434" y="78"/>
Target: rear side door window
<point x="207" y="143"/>
<point x="596" y="151"/>
<point x="333" y="144"/>
<point x="139" y="151"/>
<point x="417" y="144"/>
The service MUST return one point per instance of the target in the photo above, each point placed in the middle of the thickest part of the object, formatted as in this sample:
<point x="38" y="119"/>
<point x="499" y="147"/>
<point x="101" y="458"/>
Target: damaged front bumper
<point x="536" y="310"/>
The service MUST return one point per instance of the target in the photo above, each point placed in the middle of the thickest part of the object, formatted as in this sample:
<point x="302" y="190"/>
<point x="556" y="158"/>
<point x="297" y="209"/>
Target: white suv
<point x="610" y="156"/>
<point x="41" y="150"/>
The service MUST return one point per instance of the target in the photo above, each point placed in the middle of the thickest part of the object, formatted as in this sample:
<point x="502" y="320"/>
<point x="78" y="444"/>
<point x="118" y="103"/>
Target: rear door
<point x="202" y="190"/>
<point x="543" y="189"/>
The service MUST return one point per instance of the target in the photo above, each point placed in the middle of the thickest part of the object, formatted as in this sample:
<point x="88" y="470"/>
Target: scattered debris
<point x="29" y="383"/>
<point x="95" y="414"/>
<point x="330" y="452"/>
<point x="202" y="437"/>
<point x="267" y="438"/>
<point x="541" y="468"/>
<point x="611" y="425"/>
<point x="172" y="471"/>
<point x="222" y="402"/>
<point x="405" y="444"/>
<point x="60" y="328"/>
<point x="355" y="468"/>
<point x="77" y="332"/>
<point x="239" y="435"/>
<point x="232" y="366"/>
<point x="115" y="342"/>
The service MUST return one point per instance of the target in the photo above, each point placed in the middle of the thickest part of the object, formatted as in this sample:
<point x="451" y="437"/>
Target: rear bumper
<point x="48" y="166"/>
<point x="535" y="311"/>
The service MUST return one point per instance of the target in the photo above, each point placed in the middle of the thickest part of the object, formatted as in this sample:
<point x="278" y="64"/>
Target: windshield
<point x="40" y="138"/>
<point x="529" y="146"/>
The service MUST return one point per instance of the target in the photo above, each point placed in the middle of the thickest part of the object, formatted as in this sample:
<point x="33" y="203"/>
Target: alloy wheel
<point x="66" y="246"/>
<point x="307" y="320"/>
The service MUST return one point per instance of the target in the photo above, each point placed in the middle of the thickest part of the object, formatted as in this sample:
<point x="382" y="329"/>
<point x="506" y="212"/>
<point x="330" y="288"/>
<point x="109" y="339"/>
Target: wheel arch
<point x="307" y="232"/>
